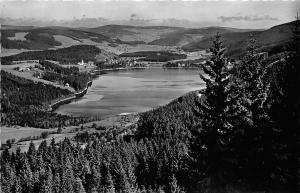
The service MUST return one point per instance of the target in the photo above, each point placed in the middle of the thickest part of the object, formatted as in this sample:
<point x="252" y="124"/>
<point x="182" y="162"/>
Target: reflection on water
<point x="133" y="91"/>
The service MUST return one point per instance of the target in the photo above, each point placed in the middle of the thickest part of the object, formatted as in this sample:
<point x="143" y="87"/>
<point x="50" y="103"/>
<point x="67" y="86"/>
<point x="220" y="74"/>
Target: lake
<point x="128" y="91"/>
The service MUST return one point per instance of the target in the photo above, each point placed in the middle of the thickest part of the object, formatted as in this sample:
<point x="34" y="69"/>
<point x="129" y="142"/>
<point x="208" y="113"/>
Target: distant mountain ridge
<point x="189" y="39"/>
<point x="274" y="38"/>
<point x="186" y="36"/>
<point x="43" y="37"/>
<point x="133" y="33"/>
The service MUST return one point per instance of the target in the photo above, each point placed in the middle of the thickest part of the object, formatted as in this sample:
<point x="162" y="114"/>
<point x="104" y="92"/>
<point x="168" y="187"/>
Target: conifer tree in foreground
<point x="255" y="142"/>
<point x="215" y="113"/>
<point x="47" y="184"/>
<point x="109" y="186"/>
<point x="174" y="188"/>
<point x="285" y="112"/>
<point x="67" y="179"/>
<point x="17" y="188"/>
<point x="78" y="188"/>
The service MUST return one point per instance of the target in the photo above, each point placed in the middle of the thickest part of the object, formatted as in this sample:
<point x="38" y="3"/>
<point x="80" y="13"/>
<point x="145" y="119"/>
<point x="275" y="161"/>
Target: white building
<point x="81" y="63"/>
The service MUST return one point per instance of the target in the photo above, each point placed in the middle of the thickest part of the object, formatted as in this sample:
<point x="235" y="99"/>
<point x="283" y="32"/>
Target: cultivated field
<point x="19" y="36"/>
<point x="29" y="74"/>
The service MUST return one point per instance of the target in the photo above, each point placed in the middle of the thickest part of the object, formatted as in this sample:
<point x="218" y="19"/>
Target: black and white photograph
<point x="150" y="96"/>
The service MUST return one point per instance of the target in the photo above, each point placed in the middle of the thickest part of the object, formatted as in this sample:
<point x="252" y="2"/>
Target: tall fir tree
<point x="93" y="180"/>
<point x="285" y="112"/>
<point x="26" y="175"/>
<point x="109" y="183"/>
<point x="125" y="186"/>
<point x="32" y="155"/>
<point x="215" y="111"/>
<point x="254" y="145"/>
<point x="47" y="184"/>
<point x="56" y="183"/>
<point x="174" y="188"/>
<point x="78" y="187"/>
<point x="67" y="180"/>
<point x="17" y="188"/>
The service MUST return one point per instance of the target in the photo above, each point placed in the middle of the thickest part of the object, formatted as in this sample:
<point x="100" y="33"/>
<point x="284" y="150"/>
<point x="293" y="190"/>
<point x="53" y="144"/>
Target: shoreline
<point x="55" y="105"/>
<point x="117" y="69"/>
<point x="148" y="67"/>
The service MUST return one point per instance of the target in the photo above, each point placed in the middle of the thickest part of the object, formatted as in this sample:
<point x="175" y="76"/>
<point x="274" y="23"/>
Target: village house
<point x="37" y="74"/>
<point x="81" y="63"/>
<point x="23" y="68"/>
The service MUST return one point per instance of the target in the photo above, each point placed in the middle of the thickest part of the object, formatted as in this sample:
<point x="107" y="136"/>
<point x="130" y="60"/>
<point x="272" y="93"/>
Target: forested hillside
<point x="73" y="55"/>
<point x="183" y="37"/>
<point x="33" y="41"/>
<point x="25" y="103"/>
<point x="42" y="38"/>
<point x="273" y="40"/>
<point x="177" y="118"/>
<point x="72" y="76"/>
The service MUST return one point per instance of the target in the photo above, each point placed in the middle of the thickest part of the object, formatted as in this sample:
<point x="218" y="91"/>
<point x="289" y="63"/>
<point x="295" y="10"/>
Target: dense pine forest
<point x="26" y="103"/>
<point x="68" y="55"/>
<point x="72" y="76"/>
<point x="239" y="134"/>
<point x="33" y="40"/>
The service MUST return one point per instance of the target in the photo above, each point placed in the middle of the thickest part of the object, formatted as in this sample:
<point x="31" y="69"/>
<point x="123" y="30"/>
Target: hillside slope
<point x="186" y="36"/>
<point x="133" y="33"/>
<point x="46" y="37"/>
<point x="178" y="116"/>
<point x="73" y="54"/>
<point x="122" y="38"/>
<point x="236" y="42"/>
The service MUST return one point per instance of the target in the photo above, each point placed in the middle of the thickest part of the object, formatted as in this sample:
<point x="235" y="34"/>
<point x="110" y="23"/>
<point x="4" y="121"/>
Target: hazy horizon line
<point x="63" y="22"/>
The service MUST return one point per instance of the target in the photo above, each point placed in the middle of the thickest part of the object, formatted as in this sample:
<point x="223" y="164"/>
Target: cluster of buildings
<point x="124" y="62"/>
<point x="36" y="70"/>
<point x="24" y="68"/>
<point x="82" y="63"/>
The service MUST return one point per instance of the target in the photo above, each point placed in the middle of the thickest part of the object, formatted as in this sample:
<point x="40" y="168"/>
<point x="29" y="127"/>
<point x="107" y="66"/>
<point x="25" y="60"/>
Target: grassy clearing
<point x="29" y="75"/>
<point x="16" y="132"/>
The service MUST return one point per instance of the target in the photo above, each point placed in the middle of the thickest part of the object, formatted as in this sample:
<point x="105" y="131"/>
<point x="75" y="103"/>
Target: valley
<point x="121" y="109"/>
<point x="117" y="47"/>
<point x="119" y="39"/>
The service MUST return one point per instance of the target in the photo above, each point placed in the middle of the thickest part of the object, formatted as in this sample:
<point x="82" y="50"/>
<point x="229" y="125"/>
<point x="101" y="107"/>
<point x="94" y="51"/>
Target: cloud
<point x="132" y="15"/>
<point x="178" y="22"/>
<point x="81" y="22"/>
<point x="248" y="18"/>
<point x="137" y="20"/>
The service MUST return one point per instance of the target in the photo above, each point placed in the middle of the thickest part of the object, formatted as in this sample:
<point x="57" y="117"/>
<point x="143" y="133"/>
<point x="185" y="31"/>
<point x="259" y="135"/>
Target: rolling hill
<point x="186" y="36"/>
<point x="133" y="33"/>
<point x="73" y="54"/>
<point x="41" y="38"/>
<point x="44" y="37"/>
<point x="122" y="38"/>
<point x="270" y="40"/>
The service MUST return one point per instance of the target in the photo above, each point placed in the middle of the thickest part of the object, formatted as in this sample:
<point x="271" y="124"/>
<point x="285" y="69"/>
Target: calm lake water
<point x="133" y="91"/>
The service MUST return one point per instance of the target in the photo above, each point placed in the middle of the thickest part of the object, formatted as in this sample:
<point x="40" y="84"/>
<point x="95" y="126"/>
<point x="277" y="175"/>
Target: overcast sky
<point x="249" y="14"/>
